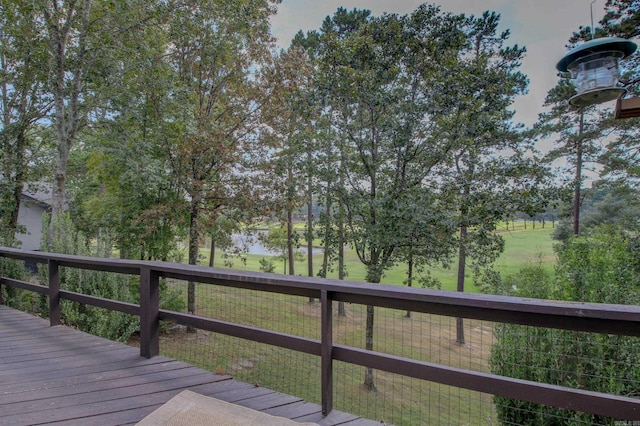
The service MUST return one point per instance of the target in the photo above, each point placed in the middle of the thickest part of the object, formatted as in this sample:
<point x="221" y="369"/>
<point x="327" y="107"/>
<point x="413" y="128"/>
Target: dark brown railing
<point x="599" y="318"/>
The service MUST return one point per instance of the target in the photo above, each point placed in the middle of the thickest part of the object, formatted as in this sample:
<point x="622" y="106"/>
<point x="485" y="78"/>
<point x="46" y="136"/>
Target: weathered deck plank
<point x="58" y="375"/>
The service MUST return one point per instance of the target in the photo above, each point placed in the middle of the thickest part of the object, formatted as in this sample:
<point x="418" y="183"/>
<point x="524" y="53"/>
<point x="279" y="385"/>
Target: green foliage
<point x="379" y="79"/>
<point x="105" y="323"/>
<point x="492" y="169"/>
<point x="426" y="280"/>
<point x="604" y="204"/>
<point x="601" y="268"/>
<point x="23" y="74"/>
<point x="277" y="241"/>
<point x="267" y="266"/>
<point x="591" y="136"/>
<point x="17" y="298"/>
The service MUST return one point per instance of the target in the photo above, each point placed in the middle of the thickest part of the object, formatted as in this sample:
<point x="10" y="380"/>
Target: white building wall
<point x="30" y="216"/>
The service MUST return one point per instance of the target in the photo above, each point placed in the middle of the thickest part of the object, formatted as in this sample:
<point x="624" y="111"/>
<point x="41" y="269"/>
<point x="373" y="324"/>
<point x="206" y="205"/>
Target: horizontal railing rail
<point x="588" y="317"/>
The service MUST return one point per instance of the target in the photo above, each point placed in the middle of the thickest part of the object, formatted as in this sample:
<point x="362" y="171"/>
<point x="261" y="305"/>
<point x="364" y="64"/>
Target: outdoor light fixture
<point x="594" y="70"/>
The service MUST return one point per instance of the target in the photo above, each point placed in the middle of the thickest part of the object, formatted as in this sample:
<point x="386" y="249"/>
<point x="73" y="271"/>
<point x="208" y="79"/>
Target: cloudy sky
<point x="543" y="26"/>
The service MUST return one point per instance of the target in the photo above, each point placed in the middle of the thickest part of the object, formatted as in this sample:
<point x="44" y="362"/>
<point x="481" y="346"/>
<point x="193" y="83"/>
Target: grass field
<point x="522" y="246"/>
<point x="399" y="400"/>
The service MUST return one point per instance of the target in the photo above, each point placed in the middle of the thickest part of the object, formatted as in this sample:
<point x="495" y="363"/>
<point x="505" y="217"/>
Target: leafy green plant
<point x="110" y="324"/>
<point x="16" y="298"/>
<point x="601" y="268"/>
<point x="267" y="265"/>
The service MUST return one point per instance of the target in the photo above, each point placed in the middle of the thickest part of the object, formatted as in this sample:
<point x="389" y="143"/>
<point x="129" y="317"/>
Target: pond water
<point x="250" y="243"/>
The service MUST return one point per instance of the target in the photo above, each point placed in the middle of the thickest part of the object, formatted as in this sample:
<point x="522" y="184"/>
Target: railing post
<point x="54" y="292"/>
<point x="326" y="352"/>
<point x="149" y="312"/>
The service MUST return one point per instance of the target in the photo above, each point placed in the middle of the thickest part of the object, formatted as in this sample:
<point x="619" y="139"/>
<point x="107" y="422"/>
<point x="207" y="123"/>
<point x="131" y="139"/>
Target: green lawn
<point x="424" y="337"/>
<point x="522" y="246"/>
<point x="526" y="246"/>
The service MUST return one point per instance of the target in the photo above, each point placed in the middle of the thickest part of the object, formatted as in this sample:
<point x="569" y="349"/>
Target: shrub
<point x="601" y="268"/>
<point x="109" y="324"/>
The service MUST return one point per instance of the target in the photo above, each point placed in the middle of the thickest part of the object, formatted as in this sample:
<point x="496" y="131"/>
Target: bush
<point x="104" y="323"/>
<point x="15" y="297"/>
<point x="602" y="268"/>
<point x="267" y="266"/>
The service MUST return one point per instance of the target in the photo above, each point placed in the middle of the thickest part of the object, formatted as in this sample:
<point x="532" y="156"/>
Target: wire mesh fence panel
<point x="403" y="400"/>
<point x="587" y="361"/>
<point x="271" y="311"/>
<point x="579" y="360"/>
<point x="423" y="337"/>
<point x="261" y="364"/>
<point x="502" y="349"/>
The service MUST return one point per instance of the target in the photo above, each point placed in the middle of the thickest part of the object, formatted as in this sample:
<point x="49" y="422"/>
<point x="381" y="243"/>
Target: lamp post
<point x="594" y="70"/>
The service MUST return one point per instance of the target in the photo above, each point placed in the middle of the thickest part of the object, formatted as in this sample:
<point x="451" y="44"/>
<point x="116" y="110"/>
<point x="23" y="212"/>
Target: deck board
<point x="58" y="375"/>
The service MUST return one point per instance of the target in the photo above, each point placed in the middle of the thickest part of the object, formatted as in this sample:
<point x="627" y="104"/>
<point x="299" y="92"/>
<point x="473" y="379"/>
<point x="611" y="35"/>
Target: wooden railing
<point x="598" y="318"/>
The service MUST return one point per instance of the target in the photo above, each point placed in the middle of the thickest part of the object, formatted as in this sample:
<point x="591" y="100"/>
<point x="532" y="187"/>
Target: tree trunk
<point x="368" y="372"/>
<point x="374" y="274"/>
<point x="327" y="237"/>
<point x="310" y="235"/>
<point x="194" y="236"/>
<point x="341" y="271"/>
<point x="66" y="111"/>
<point x="18" y="183"/>
<point x="462" y="258"/>
<point x="341" y="234"/>
<point x="409" y="274"/>
<point x="327" y="234"/>
<point x="212" y="252"/>
<point x="58" y="194"/>
<point x="578" y="179"/>
<point x="290" y="247"/>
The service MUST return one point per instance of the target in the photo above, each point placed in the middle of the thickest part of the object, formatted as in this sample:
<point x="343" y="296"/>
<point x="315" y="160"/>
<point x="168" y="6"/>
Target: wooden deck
<point x="58" y="375"/>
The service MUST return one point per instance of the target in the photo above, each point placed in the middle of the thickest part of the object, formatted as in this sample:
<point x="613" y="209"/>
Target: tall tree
<point x="68" y="27"/>
<point x="329" y="157"/>
<point x="71" y="52"/>
<point x="589" y="136"/>
<point x="23" y="67"/>
<point x="289" y="135"/>
<point x="127" y="193"/>
<point x="488" y="155"/>
<point x="215" y="46"/>
<point x="384" y="77"/>
<point x="578" y="135"/>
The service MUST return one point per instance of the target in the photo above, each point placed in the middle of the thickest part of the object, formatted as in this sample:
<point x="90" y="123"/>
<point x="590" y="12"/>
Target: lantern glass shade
<point x="596" y="71"/>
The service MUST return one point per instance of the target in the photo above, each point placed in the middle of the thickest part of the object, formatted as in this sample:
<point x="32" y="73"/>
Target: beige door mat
<point x="192" y="409"/>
